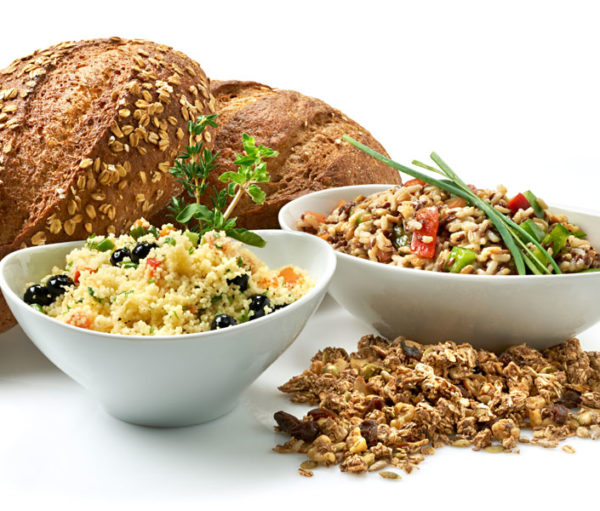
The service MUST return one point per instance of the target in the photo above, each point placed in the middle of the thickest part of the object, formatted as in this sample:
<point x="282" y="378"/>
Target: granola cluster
<point x="393" y="403"/>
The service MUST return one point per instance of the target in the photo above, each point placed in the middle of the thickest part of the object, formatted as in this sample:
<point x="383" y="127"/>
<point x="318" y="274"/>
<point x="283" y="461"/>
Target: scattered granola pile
<point x="394" y="403"/>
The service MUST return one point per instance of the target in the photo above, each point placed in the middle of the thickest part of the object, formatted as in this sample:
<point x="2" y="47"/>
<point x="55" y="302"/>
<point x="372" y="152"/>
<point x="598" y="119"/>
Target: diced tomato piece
<point x="267" y="283"/>
<point x="289" y="275"/>
<point x="78" y="271"/>
<point x="430" y="220"/>
<point x="153" y="263"/>
<point x="166" y="230"/>
<point x="319" y="217"/>
<point x="413" y="182"/>
<point x="140" y="222"/>
<point x="518" y="202"/>
<point x="80" y="319"/>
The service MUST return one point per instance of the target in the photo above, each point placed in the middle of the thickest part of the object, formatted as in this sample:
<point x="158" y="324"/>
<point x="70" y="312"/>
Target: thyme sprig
<point x="514" y="236"/>
<point x="192" y="169"/>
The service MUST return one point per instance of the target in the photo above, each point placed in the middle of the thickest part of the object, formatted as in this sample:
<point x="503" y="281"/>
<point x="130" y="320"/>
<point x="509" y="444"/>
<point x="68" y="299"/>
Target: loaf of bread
<point x="307" y="134"/>
<point x="88" y="132"/>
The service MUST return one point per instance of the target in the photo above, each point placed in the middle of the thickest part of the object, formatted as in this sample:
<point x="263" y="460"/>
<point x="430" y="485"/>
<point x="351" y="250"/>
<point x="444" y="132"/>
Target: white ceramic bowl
<point x="169" y="381"/>
<point x="492" y="312"/>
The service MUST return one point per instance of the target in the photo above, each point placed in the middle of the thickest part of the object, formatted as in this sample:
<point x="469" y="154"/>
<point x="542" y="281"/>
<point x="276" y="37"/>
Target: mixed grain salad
<point x="164" y="282"/>
<point x="418" y="225"/>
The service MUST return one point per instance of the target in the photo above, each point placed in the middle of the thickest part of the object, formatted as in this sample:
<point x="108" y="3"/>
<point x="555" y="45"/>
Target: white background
<point x="506" y="92"/>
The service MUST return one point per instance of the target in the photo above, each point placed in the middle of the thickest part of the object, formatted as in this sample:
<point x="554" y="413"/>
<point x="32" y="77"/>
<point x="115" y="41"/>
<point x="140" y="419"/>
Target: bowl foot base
<point x="174" y="421"/>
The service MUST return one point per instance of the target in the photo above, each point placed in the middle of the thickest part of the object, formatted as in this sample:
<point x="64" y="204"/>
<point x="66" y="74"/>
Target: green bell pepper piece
<point x="38" y="307"/>
<point x="102" y="246"/>
<point x="400" y="238"/>
<point x="460" y="258"/>
<point x="533" y="202"/>
<point x="137" y="232"/>
<point x="557" y="238"/>
<point x="534" y="229"/>
<point x="193" y="237"/>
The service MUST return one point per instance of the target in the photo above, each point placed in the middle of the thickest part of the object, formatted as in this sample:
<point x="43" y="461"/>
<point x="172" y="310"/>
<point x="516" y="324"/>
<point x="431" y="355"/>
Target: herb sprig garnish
<point x="192" y="169"/>
<point x="514" y="236"/>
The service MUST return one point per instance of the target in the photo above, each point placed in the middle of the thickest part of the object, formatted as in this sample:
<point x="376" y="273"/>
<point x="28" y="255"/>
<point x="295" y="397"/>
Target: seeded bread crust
<point x="88" y="132"/>
<point x="307" y="134"/>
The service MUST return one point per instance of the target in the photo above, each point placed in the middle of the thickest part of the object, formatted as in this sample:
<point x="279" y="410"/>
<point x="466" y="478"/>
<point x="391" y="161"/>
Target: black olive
<point x="222" y="321"/>
<point x="141" y="251"/>
<point x="38" y="295"/>
<point x="119" y="255"/>
<point x="277" y="307"/>
<point x="241" y="281"/>
<point x="258" y="304"/>
<point x="58" y="284"/>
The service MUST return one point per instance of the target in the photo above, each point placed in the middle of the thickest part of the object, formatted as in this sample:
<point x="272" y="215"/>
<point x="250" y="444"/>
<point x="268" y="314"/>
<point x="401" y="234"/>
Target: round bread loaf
<point x="88" y="132"/>
<point x="307" y="134"/>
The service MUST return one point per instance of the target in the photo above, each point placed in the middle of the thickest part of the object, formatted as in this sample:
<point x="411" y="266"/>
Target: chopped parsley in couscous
<point x="164" y="282"/>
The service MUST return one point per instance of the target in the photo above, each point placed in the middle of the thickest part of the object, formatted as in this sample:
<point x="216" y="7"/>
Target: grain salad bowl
<point x="169" y="381"/>
<point x="489" y="311"/>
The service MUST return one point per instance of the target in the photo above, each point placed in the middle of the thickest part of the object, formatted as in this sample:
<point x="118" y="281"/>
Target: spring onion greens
<point x="514" y="236"/>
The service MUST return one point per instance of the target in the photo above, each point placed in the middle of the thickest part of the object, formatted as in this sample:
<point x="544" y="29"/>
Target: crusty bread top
<point x="88" y="131"/>
<point x="307" y="133"/>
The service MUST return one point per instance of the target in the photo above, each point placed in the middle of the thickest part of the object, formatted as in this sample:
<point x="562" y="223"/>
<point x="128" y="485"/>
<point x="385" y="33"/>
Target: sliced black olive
<point x="119" y="255"/>
<point x="241" y="281"/>
<point x="277" y="307"/>
<point x="141" y="250"/>
<point x="38" y="295"/>
<point x="58" y="284"/>
<point x="257" y="306"/>
<point x="222" y="321"/>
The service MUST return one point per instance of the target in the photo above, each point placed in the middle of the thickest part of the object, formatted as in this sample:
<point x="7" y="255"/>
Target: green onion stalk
<point x="514" y="236"/>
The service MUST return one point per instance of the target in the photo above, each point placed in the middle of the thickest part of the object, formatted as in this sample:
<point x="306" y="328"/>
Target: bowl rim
<point x="330" y="263"/>
<point x="399" y="270"/>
